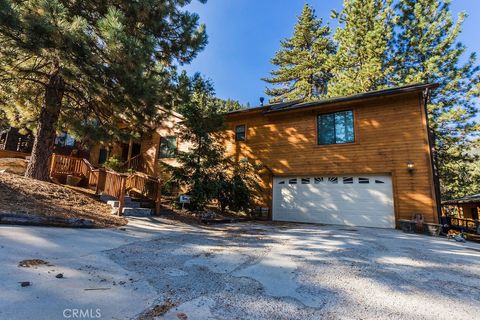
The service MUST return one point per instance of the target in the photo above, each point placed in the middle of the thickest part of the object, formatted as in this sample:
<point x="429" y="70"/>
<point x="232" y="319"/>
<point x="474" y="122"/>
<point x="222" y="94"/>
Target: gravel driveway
<point x="163" y="270"/>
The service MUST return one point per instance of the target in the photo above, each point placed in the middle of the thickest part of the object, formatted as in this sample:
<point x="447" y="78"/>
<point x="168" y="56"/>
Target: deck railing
<point x="108" y="182"/>
<point x="468" y="224"/>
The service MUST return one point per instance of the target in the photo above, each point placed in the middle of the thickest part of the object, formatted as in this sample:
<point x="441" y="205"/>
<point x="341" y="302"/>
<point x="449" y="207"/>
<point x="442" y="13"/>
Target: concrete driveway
<point x="158" y="269"/>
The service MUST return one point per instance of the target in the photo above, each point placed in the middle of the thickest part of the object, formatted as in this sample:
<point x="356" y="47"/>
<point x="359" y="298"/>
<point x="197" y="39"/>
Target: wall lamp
<point x="410" y="166"/>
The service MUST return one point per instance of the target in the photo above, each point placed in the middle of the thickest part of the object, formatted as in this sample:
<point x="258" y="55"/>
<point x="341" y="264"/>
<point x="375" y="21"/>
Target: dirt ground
<point x="22" y="195"/>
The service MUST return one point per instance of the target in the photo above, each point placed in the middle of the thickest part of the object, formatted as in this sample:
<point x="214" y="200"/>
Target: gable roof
<point x="299" y="104"/>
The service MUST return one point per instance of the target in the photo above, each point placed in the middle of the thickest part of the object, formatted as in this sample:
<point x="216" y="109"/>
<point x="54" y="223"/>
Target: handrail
<point x="108" y="182"/>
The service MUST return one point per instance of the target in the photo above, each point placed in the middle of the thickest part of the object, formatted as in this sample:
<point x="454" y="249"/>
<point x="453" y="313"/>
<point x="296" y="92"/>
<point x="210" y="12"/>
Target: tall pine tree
<point x="303" y="61"/>
<point x="361" y="63"/>
<point x="426" y="49"/>
<point x="90" y="66"/>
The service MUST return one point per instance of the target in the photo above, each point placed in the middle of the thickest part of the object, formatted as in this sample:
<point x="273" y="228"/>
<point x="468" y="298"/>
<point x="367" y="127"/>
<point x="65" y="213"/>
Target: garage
<point x="361" y="200"/>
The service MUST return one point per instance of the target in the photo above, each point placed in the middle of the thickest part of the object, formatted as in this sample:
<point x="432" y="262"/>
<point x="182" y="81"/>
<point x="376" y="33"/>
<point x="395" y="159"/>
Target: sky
<point x="244" y="35"/>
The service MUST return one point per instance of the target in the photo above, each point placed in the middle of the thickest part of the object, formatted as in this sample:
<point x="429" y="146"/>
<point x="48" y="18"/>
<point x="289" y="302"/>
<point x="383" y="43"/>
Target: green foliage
<point x="238" y="188"/>
<point x="116" y="58"/>
<point x="113" y="163"/>
<point x="203" y="170"/>
<point x="200" y="166"/>
<point x="384" y="44"/>
<point x="228" y="105"/>
<point x="361" y="63"/>
<point x="303" y="61"/>
<point x="426" y="49"/>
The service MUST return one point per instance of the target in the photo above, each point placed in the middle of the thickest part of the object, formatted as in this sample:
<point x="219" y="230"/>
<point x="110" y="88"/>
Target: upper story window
<point x="168" y="147"/>
<point x="335" y="128"/>
<point x="240" y="133"/>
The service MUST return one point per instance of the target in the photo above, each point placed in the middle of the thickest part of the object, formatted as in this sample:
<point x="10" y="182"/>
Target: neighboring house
<point x="361" y="160"/>
<point x="148" y="153"/>
<point x="12" y="140"/>
<point x="465" y="208"/>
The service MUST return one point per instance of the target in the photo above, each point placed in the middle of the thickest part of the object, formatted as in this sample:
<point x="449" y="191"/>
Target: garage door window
<point x="335" y="128"/>
<point x="318" y="180"/>
<point x="347" y="180"/>
<point x="305" y="180"/>
<point x="333" y="180"/>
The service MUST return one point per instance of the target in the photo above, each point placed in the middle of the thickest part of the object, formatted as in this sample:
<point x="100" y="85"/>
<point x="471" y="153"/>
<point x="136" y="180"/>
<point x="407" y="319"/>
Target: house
<point x="146" y="154"/>
<point x="465" y="208"/>
<point x="361" y="160"/>
<point x="12" y="140"/>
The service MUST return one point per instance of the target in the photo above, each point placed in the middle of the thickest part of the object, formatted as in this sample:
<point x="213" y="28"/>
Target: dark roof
<point x="298" y="104"/>
<point x="474" y="198"/>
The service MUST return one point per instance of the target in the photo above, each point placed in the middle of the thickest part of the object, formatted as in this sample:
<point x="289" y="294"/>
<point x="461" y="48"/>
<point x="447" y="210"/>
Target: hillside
<point x="25" y="196"/>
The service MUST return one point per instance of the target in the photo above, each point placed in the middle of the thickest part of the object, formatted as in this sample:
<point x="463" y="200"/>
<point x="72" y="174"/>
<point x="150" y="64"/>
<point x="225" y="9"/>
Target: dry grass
<point x="28" y="196"/>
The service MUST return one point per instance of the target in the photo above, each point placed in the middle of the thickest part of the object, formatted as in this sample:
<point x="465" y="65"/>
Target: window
<point x="318" y="180"/>
<point x="347" y="180"/>
<point x="379" y="181"/>
<point x="305" y="180"/>
<point x="333" y="180"/>
<point x="335" y="128"/>
<point x="292" y="181"/>
<point x="168" y="147"/>
<point x="282" y="182"/>
<point x="240" y="133"/>
<point x="363" y="180"/>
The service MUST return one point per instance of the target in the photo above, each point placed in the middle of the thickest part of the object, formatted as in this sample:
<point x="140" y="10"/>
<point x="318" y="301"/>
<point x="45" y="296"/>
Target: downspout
<point x="433" y="157"/>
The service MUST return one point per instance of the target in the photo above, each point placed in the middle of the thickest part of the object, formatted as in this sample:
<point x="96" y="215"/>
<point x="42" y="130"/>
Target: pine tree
<point x="201" y="168"/>
<point x="303" y="61"/>
<point x="361" y="63"/>
<point x="90" y="66"/>
<point x="204" y="171"/>
<point x="426" y="50"/>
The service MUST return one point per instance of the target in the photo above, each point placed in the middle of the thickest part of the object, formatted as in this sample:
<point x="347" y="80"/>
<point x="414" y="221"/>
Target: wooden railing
<point x="13" y="154"/>
<point x="468" y="224"/>
<point x="108" y="182"/>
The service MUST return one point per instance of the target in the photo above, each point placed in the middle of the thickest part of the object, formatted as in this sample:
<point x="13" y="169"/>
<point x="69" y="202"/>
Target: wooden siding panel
<point x="389" y="132"/>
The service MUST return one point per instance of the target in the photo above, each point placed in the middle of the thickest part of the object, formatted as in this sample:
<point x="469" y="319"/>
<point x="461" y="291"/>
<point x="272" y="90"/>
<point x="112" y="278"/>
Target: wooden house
<point x="361" y="160"/>
<point x="148" y="153"/>
<point x="465" y="208"/>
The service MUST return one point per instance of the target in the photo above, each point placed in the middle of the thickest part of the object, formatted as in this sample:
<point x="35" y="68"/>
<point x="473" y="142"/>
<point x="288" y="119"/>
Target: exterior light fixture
<point x="410" y="166"/>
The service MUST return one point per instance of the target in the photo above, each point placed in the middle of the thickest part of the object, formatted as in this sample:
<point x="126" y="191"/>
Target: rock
<point x="13" y="165"/>
<point x="182" y="316"/>
<point x="25" y="283"/>
<point x="59" y="276"/>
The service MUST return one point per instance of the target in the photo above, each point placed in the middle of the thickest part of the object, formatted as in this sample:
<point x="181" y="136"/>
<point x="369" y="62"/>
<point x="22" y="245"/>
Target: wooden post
<point x="52" y="164"/>
<point x="130" y="150"/>
<point x="102" y="175"/>
<point x="158" y="198"/>
<point x="123" y="183"/>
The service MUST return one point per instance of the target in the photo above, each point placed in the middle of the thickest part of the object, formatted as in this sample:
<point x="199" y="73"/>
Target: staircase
<point x="113" y="186"/>
<point x="131" y="207"/>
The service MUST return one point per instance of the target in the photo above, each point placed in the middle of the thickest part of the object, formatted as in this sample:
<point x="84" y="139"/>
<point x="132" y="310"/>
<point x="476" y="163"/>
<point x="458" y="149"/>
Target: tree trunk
<point x="38" y="167"/>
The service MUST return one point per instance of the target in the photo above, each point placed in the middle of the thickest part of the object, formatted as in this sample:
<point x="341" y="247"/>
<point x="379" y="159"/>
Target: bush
<point x="113" y="163"/>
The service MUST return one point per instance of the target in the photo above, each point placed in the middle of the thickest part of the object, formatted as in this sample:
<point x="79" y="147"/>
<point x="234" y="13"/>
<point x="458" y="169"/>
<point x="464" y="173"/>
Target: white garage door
<point x="346" y="200"/>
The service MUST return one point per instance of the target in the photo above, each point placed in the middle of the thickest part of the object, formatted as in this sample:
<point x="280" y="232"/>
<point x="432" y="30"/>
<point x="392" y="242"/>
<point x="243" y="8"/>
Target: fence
<point x="108" y="182"/>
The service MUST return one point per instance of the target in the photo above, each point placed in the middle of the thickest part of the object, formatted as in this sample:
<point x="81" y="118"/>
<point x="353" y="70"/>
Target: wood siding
<point x="389" y="132"/>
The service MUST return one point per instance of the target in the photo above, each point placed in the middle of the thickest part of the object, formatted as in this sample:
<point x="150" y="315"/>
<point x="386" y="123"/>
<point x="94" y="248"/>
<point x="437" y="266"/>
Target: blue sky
<point x="245" y="34"/>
